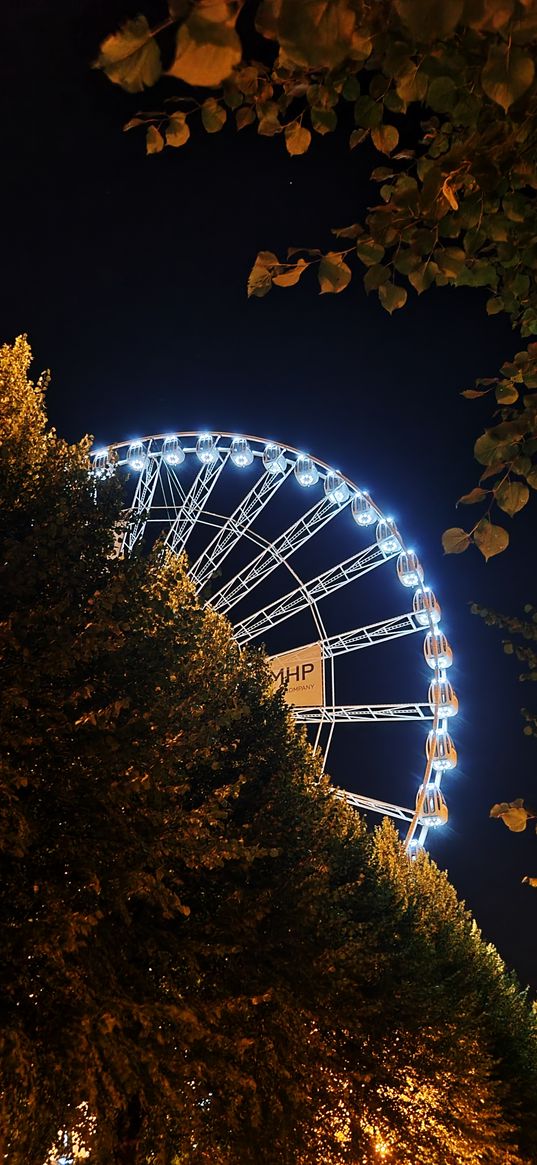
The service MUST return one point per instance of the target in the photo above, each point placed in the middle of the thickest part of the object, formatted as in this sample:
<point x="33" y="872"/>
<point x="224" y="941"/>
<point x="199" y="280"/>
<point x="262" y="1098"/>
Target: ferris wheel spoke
<point x="142" y="502"/>
<point x="317" y="588"/>
<point x="367" y="636"/>
<point x="375" y="806"/>
<point x="191" y="508"/>
<point x="277" y="553"/>
<point x="362" y="713"/>
<point x="240" y="520"/>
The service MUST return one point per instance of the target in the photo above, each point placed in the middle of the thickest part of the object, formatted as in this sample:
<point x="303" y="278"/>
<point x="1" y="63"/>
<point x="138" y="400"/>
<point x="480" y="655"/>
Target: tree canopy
<point x="206" y="955"/>
<point x="440" y="96"/>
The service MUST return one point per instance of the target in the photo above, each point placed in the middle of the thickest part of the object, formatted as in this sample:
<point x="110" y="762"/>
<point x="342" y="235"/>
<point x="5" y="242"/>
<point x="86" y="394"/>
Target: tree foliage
<point x="441" y="96"/>
<point x="206" y="955"/>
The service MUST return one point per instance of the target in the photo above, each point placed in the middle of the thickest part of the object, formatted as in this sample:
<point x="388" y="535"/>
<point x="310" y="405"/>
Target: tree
<point x="443" y="93"/>
<point x="206" y="955"/>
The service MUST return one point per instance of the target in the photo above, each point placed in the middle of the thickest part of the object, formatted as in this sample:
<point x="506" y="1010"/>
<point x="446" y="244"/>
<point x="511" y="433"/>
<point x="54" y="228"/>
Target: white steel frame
<point x="160" y="499"/>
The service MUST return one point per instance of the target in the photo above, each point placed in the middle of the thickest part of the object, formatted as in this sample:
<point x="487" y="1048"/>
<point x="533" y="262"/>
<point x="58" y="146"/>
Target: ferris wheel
<point x="301" y="560"/>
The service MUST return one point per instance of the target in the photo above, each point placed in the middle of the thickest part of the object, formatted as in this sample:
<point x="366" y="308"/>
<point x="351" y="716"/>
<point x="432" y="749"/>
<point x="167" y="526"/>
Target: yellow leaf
<point x="177" y="130"/>
<point x="449" y="194"/>
<point x="206" y="51"/>
<point x="297" y="138"/>
<point x="131" y="57"/>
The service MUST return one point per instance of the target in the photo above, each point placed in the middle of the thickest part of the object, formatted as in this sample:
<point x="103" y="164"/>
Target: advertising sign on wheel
<point x="301" y="673"/>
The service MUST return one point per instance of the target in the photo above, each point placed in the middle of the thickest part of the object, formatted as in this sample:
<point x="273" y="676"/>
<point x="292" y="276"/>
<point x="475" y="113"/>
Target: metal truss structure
<point x="244" y="543"/>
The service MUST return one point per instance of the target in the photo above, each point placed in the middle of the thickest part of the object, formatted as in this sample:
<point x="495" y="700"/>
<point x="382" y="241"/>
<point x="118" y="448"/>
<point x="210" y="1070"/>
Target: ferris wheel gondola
<point x="250" y="551"/>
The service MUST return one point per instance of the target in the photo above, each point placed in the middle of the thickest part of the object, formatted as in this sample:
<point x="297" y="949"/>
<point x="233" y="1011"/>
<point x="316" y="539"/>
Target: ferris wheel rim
<point x="418" y="827"/>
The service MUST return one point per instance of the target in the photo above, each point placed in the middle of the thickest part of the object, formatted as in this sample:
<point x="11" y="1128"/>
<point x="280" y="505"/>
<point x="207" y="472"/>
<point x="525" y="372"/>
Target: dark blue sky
<point x="128" y="273"/>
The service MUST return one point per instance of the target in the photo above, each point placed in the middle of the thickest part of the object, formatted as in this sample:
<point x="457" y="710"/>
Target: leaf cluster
<point x="205" y="953"/>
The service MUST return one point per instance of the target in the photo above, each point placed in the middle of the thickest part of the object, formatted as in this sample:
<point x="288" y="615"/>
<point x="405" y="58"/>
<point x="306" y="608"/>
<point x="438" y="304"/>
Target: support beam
<point x="239" y="521"/>
<point x="277" y="553"/>
<point x="363" y="713"/>
<point x="375" y="806"/>
<point x="142" y="502"/>
<point x="194" y="503"/>
<point x="317" y="588"/>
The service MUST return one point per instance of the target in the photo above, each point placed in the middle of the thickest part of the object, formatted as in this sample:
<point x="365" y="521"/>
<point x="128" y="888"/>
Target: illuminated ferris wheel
<point x="257" y="520"/>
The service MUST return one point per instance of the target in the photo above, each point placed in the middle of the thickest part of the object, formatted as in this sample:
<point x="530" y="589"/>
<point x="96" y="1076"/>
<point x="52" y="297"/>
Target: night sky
<point x="128" y="274"/>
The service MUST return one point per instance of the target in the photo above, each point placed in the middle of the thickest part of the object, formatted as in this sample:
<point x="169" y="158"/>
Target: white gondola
<point x="306" y="471"/>
<point x="260" y="542"/>
<point x="363" y="512"/>
<point x="101" y="464"/>
<point x="136" y="455"/>
<point x="274" y="459"/>
<point x="335" y="488"/>
<point x="434" y="811"/>
<point x="240" y="452"/>
<point x="409" y="569"/>
<point x="388" y="540"/>
<point x="206" y="450"/>
<point x="426" y="607"/>
<point x="436" y="649"/>
<point x="443" y="698"/>
<point x="172" y="451"/>
<point x="441" y="751"/>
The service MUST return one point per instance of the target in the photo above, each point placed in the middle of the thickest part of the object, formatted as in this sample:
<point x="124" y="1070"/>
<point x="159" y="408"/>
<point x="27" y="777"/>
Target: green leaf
<point x="375" y="276"/>
<point x="213" y="115"/>
<point x="323" y="120"/>
<point x="244" y="116"/>
<point x="370" y="252"/>
<point x="486" y="449"/>
<point x="430" y="20"/>
<point x="297" y="138"/>
<point x="473" y="393"/>
<point x="392" y="296"/>
<point x="455" y="540"/>
<point x="490" y="539"/>
<point x="357" y="137"/>
<point x="385" y="138"/>
<point x="512" y="496"/>
<point x="507" y="75"/>
<point x="423" y="276"/>
<point x="514" y="814"/>
<point x="177" y="130"/>
<point x="442" y="94"/>
<point x="154" y="141"/>
<point x="367" y="113"/>
<point x="531" y="478"/>
<point x="475" y="495"/>
<point x="206" y="50"/>
<point x="131" y="57"/>
<point x="334" y="275"/>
